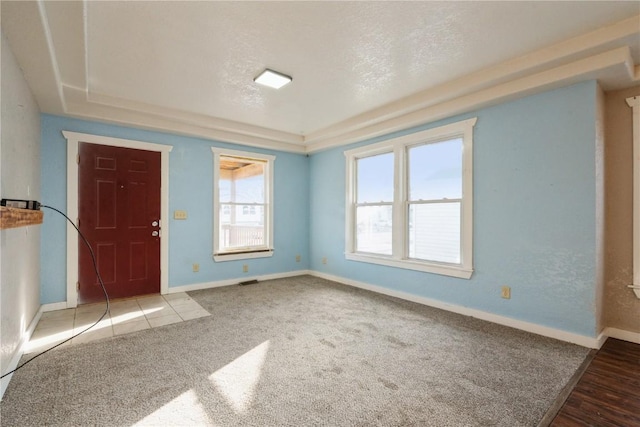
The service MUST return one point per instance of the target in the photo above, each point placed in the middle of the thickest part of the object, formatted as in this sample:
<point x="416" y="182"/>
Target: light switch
<point x="179" y="214"/>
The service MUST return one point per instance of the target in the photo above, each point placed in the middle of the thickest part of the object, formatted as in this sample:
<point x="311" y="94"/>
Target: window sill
<point x="243" y="255"/>
<point x="442" y="269"/>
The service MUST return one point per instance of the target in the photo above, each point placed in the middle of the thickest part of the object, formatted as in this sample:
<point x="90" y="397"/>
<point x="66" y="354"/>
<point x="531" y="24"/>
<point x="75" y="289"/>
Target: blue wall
<point x="190" y="189"/>
<point x="534" y="214"/>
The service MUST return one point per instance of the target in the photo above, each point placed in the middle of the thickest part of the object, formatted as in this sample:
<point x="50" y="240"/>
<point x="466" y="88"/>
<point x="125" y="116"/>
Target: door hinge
<point x="77" y="286"/>
<point x="78" y="159"/>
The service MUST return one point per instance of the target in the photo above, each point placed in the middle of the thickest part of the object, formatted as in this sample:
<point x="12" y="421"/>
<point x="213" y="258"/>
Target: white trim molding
<point x="73" y="142"/>
<point x="621" y="334"/>
<point x="634" y="103"/>
<point x="399" y="147"/>
<point x="262" y="251"/>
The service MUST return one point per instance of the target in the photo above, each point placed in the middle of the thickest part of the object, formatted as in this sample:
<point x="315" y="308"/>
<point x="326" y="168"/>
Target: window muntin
<point x="243" y="220"/>
<point x="426" y="222"/>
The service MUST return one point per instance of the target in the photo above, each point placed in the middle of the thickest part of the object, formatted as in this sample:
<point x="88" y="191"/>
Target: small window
<point x="242" y="182"/>
<point x="409" y="201"/>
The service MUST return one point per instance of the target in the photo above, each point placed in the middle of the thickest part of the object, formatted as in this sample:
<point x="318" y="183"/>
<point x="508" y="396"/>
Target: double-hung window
<point x="243" y="209"/>
<point x="410" y="201"/>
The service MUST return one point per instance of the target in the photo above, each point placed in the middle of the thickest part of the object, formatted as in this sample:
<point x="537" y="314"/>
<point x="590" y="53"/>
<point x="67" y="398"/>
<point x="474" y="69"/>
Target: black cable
<point x="106" y="296"/>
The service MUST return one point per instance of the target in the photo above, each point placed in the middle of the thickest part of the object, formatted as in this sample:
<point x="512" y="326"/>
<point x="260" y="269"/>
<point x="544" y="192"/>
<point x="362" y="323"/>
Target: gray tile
<point x="187" y="306"/>
<point x="188" y="315"/>
<point x="93" y="335"/>
<point x="176" y="296"/>
<point x="150" y="301"/>
<point x="179" y="302"/>
<point x="91" y="308"/>
<point x="39" y="346"/>
<point x="163" y="312"/>
<point x="50" y="334"/>
<point x="82" y="325"/>
<point x="55" y="323"/>
<point x="90" y="318"/>
<point x="126" y="305"/>
<point x="157" y="311"/>
<point x="127" y="317"/>
<point x="165" y="320"/>
<point x="59" y="314"/>
<point x="126" y="328"/>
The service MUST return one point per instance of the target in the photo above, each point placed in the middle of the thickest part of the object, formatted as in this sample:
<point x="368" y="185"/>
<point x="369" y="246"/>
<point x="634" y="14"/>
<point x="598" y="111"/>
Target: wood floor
<point x="608" y="393"/>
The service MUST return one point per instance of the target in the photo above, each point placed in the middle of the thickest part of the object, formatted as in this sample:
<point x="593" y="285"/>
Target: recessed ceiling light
<point x="272" y="79"/>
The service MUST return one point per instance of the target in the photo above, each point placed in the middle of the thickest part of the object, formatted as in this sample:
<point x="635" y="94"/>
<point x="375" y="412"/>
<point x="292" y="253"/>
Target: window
<point x="243" y="212"/>
<point x="409" y="201"/>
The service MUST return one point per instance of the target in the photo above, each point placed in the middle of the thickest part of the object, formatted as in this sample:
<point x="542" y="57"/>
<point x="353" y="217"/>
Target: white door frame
<point x="634" y="103"/>
<point x="73" y="142"/>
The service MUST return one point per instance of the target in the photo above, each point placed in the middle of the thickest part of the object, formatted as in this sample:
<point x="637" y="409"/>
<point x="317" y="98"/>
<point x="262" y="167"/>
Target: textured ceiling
<point x="193" y="63"/>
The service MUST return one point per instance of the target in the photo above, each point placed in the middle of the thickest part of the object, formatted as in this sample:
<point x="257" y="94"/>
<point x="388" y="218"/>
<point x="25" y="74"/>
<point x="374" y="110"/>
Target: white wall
<point x="19" y="178"/>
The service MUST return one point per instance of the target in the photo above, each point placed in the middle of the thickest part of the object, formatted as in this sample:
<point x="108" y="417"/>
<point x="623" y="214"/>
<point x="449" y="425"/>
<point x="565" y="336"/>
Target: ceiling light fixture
<point x="272" y="79"/>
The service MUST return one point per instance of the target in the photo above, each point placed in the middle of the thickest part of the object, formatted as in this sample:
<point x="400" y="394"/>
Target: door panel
<point x="119" y="203"/>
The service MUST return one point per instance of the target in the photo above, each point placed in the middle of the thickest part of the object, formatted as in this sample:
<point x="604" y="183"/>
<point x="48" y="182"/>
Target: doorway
<point x="73" y="248"/>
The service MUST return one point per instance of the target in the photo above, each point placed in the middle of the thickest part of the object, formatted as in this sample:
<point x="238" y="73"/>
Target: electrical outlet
<point x="506" y="292"/>
<point x="179" y="214"/>
<point x="324" y="260"/>
<point x="245" y="268"/>
<point x="297" y="258"/>
<point x="196" y="268"/>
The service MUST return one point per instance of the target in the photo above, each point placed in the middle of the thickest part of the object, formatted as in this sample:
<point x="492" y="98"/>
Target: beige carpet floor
<point x="300" y="351"/>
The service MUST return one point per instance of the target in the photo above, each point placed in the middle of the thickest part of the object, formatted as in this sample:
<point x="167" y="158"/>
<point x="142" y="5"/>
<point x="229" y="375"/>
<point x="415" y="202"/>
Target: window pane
<point x="373" y="231"/>
<point x="375" y="178"/>
<point x="240" y="227"/>
<point x="435" y="170"/>
<point x="434" y="232"/>
<point x="241" y="180"/>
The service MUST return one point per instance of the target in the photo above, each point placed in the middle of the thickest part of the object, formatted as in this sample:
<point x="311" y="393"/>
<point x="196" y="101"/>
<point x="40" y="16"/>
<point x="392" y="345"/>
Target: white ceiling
<point x="359" y="69"/>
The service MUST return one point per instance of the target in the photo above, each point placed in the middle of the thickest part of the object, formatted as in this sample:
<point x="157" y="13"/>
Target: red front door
<point x="119" y="214"/>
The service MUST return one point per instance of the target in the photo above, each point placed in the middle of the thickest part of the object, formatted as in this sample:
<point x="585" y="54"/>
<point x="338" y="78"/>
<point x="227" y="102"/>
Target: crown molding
<point x="594" y="55"/>
<point x="617" y="61"/>
<point x="535" y="61"/>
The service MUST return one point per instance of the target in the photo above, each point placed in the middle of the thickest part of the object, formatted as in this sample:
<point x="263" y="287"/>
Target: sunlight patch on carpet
<point x="237" y="380"/>
<point x="183" y="410"/>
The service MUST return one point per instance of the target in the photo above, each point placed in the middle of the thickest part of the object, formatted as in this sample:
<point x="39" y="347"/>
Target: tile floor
<point x="125" y="316"/>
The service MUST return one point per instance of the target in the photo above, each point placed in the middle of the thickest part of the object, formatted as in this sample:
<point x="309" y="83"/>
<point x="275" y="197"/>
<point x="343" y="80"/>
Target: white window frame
<point x="261" y="252"/>
<point x="634" y="103"/>
<point x="399" y="257"/>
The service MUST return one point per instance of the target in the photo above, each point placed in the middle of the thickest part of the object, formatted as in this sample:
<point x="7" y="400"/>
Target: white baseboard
<point x="229" y="282"/>
<point x="621" y="334"/>
<point x="13" y="364"/>
<point x="546" y="331"/>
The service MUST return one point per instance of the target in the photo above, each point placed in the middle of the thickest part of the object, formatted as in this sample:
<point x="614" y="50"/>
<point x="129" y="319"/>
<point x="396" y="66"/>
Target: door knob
<point x="154" y="223"/>
<point x="154" y="233"/>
